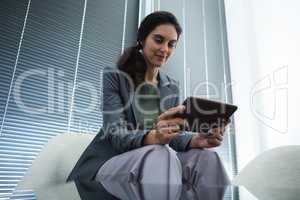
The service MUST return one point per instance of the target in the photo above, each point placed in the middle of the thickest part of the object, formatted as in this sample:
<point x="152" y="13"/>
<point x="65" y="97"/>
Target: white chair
<point x="273" y="175"/>
<point x="49" y="171"/>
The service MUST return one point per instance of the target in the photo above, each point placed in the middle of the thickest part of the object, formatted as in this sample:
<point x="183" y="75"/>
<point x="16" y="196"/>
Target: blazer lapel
<point x="129" y="97"/>
<point x="165" y="91"/>
<point x="136" y="114"/>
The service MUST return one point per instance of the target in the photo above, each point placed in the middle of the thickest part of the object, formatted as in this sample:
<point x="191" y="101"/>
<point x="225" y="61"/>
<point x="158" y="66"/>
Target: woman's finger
<point x="169" y="129"/>
<point x="217" y="131"/>
<point x="175" y="121"/>
<point x="219" y="137"/>
<point x="174" y="128"/>
<point x="171" y="112"/>
<point x="178" y="122"/>
<point x="171" y="136"/>
<point x="165" y="135"/>
<point x="214" y="142"/>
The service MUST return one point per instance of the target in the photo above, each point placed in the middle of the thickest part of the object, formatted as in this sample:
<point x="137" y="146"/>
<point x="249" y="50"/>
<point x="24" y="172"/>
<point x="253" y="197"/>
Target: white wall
<point x="264" y="49"/>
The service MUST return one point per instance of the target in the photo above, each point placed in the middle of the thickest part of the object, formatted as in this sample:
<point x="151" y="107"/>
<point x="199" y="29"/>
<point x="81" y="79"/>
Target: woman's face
<point x="159" y="45"/>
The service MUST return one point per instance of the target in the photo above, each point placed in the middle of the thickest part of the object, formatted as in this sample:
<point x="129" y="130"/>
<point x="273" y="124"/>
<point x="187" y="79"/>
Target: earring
<point x="141" y="51"/>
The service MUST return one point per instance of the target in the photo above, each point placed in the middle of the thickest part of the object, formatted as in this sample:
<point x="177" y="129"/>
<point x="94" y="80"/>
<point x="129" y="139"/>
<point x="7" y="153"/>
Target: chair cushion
<point x="49" y="171"/>
<point x="275" y="174"/>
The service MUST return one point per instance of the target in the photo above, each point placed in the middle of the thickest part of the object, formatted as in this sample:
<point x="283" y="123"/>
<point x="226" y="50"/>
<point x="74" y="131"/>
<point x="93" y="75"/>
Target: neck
<point x="151" y="75"/>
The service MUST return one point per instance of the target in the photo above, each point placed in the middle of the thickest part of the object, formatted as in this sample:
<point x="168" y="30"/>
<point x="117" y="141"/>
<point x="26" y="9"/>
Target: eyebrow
<point x="160" y="36"/>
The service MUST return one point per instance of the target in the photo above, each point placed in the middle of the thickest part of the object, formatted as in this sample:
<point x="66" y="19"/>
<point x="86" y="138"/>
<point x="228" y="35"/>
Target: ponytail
<point x="133" y="63"/>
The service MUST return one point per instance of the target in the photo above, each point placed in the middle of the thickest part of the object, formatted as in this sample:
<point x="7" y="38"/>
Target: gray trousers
<point x="160" y="164"/>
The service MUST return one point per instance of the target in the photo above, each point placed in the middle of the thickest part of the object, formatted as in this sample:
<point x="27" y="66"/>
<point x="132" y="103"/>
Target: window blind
<point x="210" y="69"/>
<point x="51" y="58"/>
<point x="201" y="62"/>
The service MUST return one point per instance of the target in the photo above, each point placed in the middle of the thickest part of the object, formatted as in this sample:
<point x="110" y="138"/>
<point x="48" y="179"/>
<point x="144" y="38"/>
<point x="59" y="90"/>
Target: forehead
<point x="167" y="31"/>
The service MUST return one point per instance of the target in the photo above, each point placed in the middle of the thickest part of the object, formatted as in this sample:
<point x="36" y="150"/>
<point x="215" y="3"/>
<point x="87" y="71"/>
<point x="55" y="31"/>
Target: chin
<point x="158" y="65"/>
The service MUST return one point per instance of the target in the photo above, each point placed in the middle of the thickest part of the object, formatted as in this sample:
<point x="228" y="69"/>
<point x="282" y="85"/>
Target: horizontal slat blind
<point x="101" y="46"/>
<point x="56" y="85"/>
<point x="49" y="46"/>
<point x="12" y="15"/>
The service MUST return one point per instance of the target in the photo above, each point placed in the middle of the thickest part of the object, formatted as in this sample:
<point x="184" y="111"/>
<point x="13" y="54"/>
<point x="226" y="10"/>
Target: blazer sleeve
<point x="122" y="135"/>
<point x="182" y="142"/>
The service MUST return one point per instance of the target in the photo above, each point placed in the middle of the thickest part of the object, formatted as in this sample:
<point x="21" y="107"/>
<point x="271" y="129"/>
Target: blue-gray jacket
<point x="120" y="121"/>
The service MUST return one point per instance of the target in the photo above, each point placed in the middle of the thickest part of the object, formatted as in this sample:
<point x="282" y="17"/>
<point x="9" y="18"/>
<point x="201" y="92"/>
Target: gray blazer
<point x="120" y="131"/>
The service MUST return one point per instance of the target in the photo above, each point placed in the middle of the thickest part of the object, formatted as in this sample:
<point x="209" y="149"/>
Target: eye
<point x="158" y="40"/>
<point x="172" y="44"/>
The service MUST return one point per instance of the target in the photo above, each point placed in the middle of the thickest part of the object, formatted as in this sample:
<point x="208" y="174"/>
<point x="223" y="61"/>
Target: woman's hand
<point x="202" y="140"/>
<point x="167" y="127"/>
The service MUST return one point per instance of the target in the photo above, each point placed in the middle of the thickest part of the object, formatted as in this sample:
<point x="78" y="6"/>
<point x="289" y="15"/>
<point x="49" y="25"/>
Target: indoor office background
<point x="52" y="54"/>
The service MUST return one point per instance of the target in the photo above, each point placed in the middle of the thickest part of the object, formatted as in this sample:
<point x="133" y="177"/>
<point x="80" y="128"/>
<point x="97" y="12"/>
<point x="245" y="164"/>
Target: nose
<point x="164" y="47"/>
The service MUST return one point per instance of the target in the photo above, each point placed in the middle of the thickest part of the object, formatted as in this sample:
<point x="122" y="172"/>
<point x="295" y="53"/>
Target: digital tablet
<point x="203" y="114"/>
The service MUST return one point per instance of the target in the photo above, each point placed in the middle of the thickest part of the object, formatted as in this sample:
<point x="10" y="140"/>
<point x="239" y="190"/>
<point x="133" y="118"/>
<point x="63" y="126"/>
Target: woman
<point x="141" y="138"/>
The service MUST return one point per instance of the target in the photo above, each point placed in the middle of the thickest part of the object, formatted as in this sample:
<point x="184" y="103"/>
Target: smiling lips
<point x="160" y="57"/>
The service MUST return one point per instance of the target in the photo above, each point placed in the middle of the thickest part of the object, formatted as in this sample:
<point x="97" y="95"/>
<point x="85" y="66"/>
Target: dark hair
<point x="132" y="61"/>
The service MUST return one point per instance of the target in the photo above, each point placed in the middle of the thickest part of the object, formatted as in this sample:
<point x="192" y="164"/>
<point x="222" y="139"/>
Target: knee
<point x="202" y="158"/>
<point x="158" y="148"/>
<point x="211" y="154"/>
<point x="162" y="152"/>
<point x="163" y="158"/>
<point x="204" y="153"/>
<point x="204" y="167"/>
